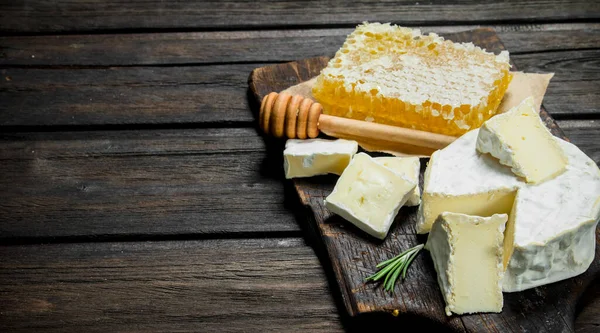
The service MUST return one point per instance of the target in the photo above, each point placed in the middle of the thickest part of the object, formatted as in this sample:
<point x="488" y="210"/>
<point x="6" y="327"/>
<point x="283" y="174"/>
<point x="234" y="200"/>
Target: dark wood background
<point x="135" y="191"/>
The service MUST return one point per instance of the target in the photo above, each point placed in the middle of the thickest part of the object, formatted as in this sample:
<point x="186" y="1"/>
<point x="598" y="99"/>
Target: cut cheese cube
<point x="467" y="253"/>
<point x="409" y="167"/>
<point x="520" y="140"/>
<point x="369" y="195"/>
<point x="307" y="158"/>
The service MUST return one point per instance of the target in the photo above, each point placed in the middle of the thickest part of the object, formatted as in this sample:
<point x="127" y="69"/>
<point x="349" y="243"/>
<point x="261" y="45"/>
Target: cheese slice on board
<point x="369" y="195"/>
<point x="467" y="253"/>
<point x="520" y="140"/>
<point x="307" y="158"/>
<point x="550" y="234"/>
<point x="410" y="168"/>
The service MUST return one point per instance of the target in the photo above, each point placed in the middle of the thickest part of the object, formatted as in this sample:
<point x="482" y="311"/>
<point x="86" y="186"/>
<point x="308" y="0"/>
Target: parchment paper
<point x="522" y="86"/>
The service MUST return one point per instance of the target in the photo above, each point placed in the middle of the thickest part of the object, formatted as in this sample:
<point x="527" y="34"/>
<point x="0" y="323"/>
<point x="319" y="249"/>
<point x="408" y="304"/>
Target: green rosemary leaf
<point x="401" y="270"/>
<point x="383" y="271"/>
<point x="395" y="275"/>
<point x="410" y="259"/>
<point x="384" y="263"/>
<point x="395" y="267"/>
<point x="399" y="263"/>
<point x="389" y="261"/>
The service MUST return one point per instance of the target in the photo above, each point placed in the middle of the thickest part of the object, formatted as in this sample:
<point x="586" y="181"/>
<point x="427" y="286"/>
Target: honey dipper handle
<point x="350" y="128"/>
<point x="283" y="115"/>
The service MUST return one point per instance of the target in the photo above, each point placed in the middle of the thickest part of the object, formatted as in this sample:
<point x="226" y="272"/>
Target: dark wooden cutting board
<point x="353" y="254"/>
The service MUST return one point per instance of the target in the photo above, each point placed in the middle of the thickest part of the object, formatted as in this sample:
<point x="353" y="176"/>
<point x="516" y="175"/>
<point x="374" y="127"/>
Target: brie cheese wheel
<point x="307" y="158"/>
<point x="467" y="253"/>
<point x="369" y="195"/>
<point x="555" y="225"/>
<point x="550" y="234"/>
<point x="520" y="140"/>
<point x="410" y="168"/>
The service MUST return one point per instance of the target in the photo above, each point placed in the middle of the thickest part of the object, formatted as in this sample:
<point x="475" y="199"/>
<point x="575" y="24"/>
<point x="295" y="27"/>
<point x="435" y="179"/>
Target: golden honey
<point x="397" y="76"/>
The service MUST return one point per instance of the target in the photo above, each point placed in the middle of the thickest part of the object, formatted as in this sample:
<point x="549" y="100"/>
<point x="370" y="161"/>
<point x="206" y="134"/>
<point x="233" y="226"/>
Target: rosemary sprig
<point x="391" y="269"/>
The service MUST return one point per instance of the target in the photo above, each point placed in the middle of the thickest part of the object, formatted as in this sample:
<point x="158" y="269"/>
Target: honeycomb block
<point x="397" y="76"/>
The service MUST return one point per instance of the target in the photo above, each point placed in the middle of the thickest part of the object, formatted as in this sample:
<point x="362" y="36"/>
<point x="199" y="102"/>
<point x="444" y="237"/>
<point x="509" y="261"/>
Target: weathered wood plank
<point x="218" y="93"/>
<point x="92" y="15"/>
<point x="588" y="320"/>
<point x="138" y="95"/>
<point x="128" y="183"/>
<point x="264" y="285"/>
<point x="574" y="89"/>
<point x="251" y="46"/>
<point x="585" y="134"/>
<point x="549" y="37"/>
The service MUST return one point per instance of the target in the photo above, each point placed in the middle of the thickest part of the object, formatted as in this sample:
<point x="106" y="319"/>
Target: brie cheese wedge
<point x="467" y="255"/>
<point x="520" y="140"/>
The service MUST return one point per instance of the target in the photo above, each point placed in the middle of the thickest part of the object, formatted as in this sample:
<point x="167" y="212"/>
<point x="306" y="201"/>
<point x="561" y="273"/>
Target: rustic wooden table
<point x="135" y="191"/>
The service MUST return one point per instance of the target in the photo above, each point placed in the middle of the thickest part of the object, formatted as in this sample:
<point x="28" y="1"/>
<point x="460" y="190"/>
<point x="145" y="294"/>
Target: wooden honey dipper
<point x="299" y="117"/>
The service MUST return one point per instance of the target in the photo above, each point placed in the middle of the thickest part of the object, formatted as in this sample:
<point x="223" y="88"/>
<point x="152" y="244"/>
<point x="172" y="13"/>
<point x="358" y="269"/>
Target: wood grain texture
<point x="132" y="183"/>
<point x="258" y="285"/>
<point x="585" y="134"/>
<point x="137" y="95"/>
<point x="353" y="255"/>
<point x="588" y="320"/>
<point x="92" y="15"/>
<point x="252" y="46"/>
<point x="218" y="93"/>
<point x="576" y="81"/>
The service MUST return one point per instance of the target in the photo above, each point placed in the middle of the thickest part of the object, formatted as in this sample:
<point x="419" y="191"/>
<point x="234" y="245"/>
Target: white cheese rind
<point x="408" y="167"/>
<point x="564" y="256"/>
<point x="520" y="140"/>
<point x="488" y="142"/>
<point x="467" y="253"/>
<point x="307" y="158"/>
<point x="554" y="221"/>
<point x="555" y="225"/>
<point x="369" y="195"/>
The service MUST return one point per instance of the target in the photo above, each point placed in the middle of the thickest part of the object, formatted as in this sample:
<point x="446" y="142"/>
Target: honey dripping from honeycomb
<point x="394" y="75"/>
